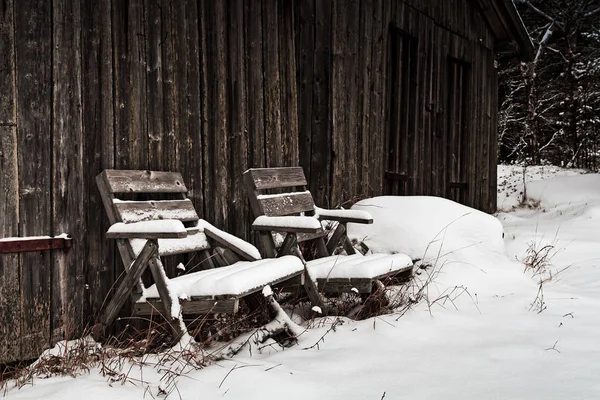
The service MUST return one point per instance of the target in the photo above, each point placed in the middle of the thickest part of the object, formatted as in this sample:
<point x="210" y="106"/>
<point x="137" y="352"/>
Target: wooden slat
<point x="270" y="178"/>
<point x="136" y="211"/>
<point x="320" y="161"/>
<point x="274" y="152"/>
<point x="98" y="147"/>
<point x="197" y="307"/>
<point x="238" y="223"/>
<point x="135" y="181"/>
<point x="10" y="296"/>
<point x="254" y="79"/>
<point x="296" y="229"/>
<point x="305" y="53"/>
<point x="156" y="38"/>
<point x="344" y="285"/>
<point x="68" y="205"/>
<point x="130" y="98"/>
<point x="146" y="235"/>
<point x="365" y="39"/>
<point x="33" y="49"/>
<point x="216" y="144"/>
<point x="287" y="204"/>
<point x="288" y="91"/>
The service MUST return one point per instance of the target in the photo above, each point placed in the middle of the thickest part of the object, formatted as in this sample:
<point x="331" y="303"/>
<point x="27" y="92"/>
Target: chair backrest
<point x="135" y="196"/>
<point x="267" y="197"/>
<point x="280" y="191"/>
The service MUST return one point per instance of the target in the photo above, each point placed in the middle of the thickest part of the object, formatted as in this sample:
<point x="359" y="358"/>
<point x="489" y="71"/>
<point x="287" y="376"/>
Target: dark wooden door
<point x="457" y="140"/>
<point x="400" y="143"/>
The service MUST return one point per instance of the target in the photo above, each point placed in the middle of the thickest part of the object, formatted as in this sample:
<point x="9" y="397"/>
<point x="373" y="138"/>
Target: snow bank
<point x="464" y="245"/>
<point x="425" y="227"/>
<point x="564" y="190"/>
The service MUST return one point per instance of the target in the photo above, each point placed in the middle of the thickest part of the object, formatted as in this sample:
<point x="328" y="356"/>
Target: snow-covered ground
<point x="484" y="331"/>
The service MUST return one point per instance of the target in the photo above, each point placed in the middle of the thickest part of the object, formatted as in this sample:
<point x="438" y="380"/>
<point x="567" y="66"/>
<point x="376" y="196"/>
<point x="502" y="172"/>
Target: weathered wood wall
<point x="210" y="88"/>
<point x="200" y="86"/>
<point x="345" y="98"/>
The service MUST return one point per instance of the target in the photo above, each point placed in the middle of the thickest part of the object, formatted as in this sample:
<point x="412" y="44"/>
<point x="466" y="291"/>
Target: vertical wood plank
<point x="185" y="89"/>
<point x="33" y="40"/>
<point x="378" y="102"/>
<point x="272" y="84"/>
<point x="492" y="132"/>
<point x="98" y="147"/>
<point x="288" y="90"/>
<point x="69" y="204"/>
<point x="238" y="128"/>
<point x="216" y="148"/>
<point x="10" y="296"/>
<point x="130" y="63"/>
<point x="321" y="124"/>
<point x="305" y="56"/>
<point x="365" y="39"/>
<point x="339" y="107"/>
<point x="158" y="39"/>
<point x="254" y="78"/>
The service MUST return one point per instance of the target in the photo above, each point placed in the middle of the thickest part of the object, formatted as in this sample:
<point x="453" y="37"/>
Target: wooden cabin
<point x="371" y="97"/>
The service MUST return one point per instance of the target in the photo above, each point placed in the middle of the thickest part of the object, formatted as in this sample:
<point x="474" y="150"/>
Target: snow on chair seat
<point x="221" y="287"/>
<point x="341" y="273"/>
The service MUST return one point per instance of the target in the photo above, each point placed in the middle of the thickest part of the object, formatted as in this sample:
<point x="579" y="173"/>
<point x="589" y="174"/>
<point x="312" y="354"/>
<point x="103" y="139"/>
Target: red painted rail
<point x="22" y="245"/>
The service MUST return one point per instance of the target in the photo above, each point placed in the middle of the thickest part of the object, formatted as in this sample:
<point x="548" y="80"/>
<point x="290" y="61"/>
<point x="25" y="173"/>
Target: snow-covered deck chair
<point x="293" y="210"/>
<point x="166" y="223"/>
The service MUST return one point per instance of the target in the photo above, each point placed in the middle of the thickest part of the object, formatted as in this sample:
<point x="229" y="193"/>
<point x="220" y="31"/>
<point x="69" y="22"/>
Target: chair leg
<point x="335" y="238"/>
<point x="309" y="285"/>
<point x="348" y="246"/>
<point x="121" y="295"/>
<point x="160" y="280"/>
<point x="288" y="243"/>
<point x="321" y="247"/>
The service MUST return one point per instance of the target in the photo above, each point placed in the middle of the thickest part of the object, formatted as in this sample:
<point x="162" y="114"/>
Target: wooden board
<point x="238" y="110"/>
<point x="33" y="49"/>
<point x="136" y="211"/>
<point x="320" y="169"/>
<point x="10" y="296"/>
<point x="68" y="203"/>
<point x="129" y="79"/>
<point x="254" y="79"/>
<point x="270" y="178"/>
<point x="274" y="151"/>
<point x="99" y="148"/>
<point x="198" y="307"/>
<point x="143" y="181"/>
<point x="287" y="204"/>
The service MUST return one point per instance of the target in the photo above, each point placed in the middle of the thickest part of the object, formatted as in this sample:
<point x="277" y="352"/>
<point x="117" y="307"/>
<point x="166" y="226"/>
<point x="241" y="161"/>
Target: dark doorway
<point x="457" y="107"/>
<point x="400" y="144"/>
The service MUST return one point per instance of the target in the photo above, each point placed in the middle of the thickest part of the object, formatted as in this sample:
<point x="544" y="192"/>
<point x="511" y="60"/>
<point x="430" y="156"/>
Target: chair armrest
<point x="227" y="240"/>
<point x="162" y="229"/>
<point x="356" y="216"/>
<point x="290" y="224"/>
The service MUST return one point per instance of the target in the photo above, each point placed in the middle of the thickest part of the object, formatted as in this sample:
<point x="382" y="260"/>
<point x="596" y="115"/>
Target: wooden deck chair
<point x="332" y="273"/>
<point x="166" y="223"/>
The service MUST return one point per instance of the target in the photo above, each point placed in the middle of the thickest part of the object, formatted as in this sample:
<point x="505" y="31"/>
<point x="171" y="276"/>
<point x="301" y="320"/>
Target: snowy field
<point x="486" y="327"/>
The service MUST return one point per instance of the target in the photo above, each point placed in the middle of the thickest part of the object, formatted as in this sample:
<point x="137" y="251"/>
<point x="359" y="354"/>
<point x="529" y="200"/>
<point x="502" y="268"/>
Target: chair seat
<point x="235" y="280"/>
<point x="357" y="266"/>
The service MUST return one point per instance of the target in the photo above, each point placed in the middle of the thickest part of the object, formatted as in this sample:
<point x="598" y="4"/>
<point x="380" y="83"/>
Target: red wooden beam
<point x="22" y="245"/>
